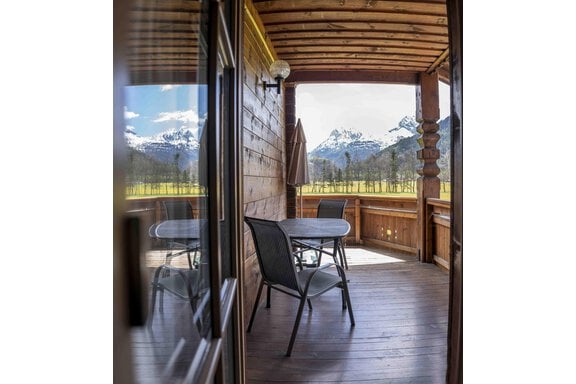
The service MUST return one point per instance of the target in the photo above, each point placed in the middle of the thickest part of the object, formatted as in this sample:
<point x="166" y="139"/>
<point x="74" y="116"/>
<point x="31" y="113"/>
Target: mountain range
<point x="358" y="146"/>
<point x="182" y="144"/>
<point x="166" y="145"/>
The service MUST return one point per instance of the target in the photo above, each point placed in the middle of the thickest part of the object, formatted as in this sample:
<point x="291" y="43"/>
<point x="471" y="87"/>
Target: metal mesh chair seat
<point x="277" y="266"/>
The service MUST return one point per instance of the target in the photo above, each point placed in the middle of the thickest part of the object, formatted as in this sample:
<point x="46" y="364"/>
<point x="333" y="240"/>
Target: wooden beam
<point x="347" y="25"/>
<point x="439" y="61"/>
<point x="360" y="49"/>
<point x="383" y="77"/>
<point x="161" y="77"/>
<point x="423" y="8"/>
<point x="345" y="61"/>
<point x="425" y="60"/>
<point x="351" y="66"/>
<point x="359" y="34"/>
<point x="359" y="42"/>
<point x="343" y="16"/>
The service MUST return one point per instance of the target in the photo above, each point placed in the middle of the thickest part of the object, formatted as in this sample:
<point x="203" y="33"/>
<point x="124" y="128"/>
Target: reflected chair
<point x="329" y="209"/>
<point x="180" y="210"/>
<point x="278" y="270"/>
<point x="183" y="283"/>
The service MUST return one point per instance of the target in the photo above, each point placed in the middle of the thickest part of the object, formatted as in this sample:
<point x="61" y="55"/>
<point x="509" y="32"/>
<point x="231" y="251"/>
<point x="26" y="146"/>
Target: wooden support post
<point x="428" y="185"/>
<point x="357" y="222"/>
<point x="290" y="124"/>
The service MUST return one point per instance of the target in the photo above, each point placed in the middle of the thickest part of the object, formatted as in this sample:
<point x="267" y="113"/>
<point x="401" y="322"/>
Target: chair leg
<point x="347" y="296"/>
<point x="268" y="296"/>
<point x="296" y="325"/>
<point x="152" y="305"/>
<point x="256" y="305"/>
<point x="343" y="254"/>
<point x="309" y="304"/>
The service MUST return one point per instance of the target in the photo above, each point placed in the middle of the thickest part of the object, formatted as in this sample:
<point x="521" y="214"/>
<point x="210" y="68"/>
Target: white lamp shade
<point x="280" y="68"/>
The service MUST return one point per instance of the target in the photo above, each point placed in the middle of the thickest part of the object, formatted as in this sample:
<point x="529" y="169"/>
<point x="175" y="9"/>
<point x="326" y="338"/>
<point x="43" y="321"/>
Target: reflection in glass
<point x="165" y="114"/>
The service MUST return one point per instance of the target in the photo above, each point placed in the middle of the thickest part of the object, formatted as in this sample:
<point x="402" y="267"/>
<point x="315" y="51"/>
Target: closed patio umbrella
<point x="298" y="170"/>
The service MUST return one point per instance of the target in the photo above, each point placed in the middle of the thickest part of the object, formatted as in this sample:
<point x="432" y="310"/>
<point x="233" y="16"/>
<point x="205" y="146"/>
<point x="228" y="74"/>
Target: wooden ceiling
<point x="358" y="35"/>
<point x="358" y="39"/>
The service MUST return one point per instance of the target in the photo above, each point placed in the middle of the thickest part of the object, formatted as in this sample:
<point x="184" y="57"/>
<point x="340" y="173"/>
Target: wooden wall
<point x="263" y="150"/>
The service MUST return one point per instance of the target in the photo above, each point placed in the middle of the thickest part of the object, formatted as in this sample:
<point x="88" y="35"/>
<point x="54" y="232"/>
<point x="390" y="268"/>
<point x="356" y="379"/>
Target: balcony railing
<point x="378" y="221"/>
<point x="391" y="222"/>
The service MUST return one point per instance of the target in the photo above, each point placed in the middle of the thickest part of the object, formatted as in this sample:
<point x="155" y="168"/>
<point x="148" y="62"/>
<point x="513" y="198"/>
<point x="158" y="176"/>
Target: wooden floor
<point x="401" y="311"/>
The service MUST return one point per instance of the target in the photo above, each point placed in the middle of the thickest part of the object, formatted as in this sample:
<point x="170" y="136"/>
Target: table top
<point x="313" y="228"/>
<point x="176" y="229"/>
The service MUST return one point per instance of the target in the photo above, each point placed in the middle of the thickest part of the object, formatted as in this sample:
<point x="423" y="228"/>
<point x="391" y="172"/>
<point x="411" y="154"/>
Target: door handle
<point x="134" y="283"/>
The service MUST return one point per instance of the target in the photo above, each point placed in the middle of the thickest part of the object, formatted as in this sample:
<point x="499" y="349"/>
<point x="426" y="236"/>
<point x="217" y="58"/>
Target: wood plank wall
<point x="440" y="225"/>
<point x="263" y="150"/>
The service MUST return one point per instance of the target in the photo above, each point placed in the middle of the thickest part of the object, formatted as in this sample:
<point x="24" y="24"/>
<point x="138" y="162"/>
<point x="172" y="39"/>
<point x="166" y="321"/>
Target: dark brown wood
<point x="353" y="77"/>
<point x="343" y="34"/>
<point x="352" y="5"/>
<point x="428" y="184"/>
<point x="455" y="333"/>
<point x="290" y="124"/>
<point x="399" y="337"/>
<point x="354" y="25"/>
<point x="337" y="16"/>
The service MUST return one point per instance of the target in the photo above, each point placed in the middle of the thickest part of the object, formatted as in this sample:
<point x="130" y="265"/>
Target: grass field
<point x="358" y="188"/>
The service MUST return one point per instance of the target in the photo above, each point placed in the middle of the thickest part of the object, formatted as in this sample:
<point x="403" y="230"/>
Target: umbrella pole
<point x="300" y="201"/>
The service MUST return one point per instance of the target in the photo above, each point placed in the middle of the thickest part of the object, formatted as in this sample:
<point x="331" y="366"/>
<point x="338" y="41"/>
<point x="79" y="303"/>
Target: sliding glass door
<point x="173" y="191"/>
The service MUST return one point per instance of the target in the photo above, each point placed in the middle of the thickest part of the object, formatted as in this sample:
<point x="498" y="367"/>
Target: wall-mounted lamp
<point x="279" y="70"/>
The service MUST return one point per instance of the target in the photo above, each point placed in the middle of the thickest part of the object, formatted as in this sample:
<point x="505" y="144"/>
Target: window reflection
<point x="165" y="116"/>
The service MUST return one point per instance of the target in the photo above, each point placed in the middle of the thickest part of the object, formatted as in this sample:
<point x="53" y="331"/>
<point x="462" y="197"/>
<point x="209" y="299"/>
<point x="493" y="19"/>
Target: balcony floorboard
<point x="401" y="312"/>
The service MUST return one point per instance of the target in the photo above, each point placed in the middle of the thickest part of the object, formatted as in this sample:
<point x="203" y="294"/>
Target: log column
<point x="290" y="124"/>
<point x="428" y="185"/>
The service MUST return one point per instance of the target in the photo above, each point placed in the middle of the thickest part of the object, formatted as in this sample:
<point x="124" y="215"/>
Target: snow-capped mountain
<point x="165" y="145"/>
<point x="358" y="146"/>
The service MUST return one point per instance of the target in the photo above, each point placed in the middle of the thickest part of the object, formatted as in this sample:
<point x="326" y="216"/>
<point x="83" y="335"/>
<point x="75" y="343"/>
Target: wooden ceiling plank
<point x="355" y="26"/>
<point x="360" y="42"/>
<point x="359" y="34"/>
<point x="352" y="55"/>
<point x="316" y="16"/>
<point x="358" y="67"/>
<point x="301" y="62"/>
<point x="359" y="49"/>
<point x="423" y="8"/>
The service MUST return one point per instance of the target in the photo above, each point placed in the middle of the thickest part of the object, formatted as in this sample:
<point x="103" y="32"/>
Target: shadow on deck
<point x="401" y="311"/>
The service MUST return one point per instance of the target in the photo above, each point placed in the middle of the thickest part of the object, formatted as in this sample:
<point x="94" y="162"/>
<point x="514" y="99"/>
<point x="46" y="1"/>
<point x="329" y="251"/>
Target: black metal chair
<point x="278" y="269"/>
<point x="332" y="209"/>
<point x="180" y="210"/>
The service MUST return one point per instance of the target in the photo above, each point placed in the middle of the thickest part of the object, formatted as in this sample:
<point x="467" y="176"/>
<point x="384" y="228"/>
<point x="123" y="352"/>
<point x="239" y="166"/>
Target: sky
<point x="151" y="109"/>
<point x="368" y="108"/>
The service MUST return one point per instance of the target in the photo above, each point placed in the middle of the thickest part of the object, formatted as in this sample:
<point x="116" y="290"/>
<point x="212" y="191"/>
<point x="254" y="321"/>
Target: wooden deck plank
<point x="401" y="312"/>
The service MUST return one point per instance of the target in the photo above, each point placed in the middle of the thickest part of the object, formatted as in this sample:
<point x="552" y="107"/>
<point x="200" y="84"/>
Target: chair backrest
<point x="177" y="209"/>
<point x="274" y="252"/>
<point x="331" y="209"/>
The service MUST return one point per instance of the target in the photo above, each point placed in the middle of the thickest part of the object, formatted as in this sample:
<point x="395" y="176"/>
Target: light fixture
<point x="279" y="71"/>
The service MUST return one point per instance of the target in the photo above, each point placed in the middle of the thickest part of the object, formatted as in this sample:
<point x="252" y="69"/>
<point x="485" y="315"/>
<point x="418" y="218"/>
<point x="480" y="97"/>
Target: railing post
<point x="357" y="222"/>
<point x="428" y="185"/>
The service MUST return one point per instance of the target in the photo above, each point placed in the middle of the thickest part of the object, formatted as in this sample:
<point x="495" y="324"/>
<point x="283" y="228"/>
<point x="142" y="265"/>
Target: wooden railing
<point x="390" y="222"/>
